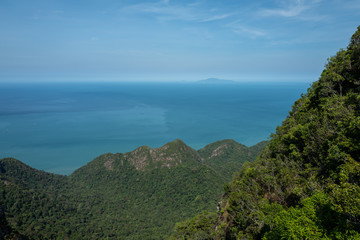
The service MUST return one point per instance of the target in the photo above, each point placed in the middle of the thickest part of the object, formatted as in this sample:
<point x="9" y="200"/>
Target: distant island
<point x="215" y="80"/>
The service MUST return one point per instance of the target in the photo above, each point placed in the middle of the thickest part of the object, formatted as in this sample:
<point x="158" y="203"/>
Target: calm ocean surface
<point x="59" y="127"/>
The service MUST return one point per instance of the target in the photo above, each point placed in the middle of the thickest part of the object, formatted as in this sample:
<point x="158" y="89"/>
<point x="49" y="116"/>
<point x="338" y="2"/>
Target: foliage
<point x="136" y="195"/>
<point x="6" y="232"/>
<point x="198" y="227"/>
<point x="306" y="183"/>
<point x="227" y="155"/>
<point x="315" y="218"/>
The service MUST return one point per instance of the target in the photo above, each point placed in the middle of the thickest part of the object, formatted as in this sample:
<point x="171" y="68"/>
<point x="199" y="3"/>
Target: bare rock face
<point x="109" y="161"/>
<point x="140" y="157"/>
<point x="226" y="154"/>
<point x="218" y="151"/>
<point x="169" y="155"/>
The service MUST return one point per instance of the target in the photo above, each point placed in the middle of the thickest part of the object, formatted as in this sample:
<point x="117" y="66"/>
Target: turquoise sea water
<point x="59" y="127"/>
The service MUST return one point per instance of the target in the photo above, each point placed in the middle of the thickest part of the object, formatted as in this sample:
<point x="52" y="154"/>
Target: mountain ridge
<point x="170" y="154"/>
<point x="164" y="184"/>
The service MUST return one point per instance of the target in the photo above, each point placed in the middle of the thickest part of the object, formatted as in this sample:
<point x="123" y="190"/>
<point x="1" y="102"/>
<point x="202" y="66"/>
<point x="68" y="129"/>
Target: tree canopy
<point x="306" y="183"/>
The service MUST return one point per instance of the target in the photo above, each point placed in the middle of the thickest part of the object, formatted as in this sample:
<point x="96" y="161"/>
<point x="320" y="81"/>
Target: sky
<point x="171" y="40"/>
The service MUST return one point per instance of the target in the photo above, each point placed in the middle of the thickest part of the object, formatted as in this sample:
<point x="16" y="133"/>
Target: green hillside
<point x="306" y="183"/>
<point x="224" y="155"/>
<point x="135" y="195"/>
<point x="6" y="232"/>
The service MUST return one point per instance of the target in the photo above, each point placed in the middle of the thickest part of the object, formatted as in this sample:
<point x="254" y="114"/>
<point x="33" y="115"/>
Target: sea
<point x="59" y="127"/>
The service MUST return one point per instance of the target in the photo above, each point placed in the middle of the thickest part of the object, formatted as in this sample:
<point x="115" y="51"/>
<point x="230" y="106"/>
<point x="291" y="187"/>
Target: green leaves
<point x="137" y="195"/>
<point x="198" y="227"/>
<point x="300" y="222"/>
<point x="315" y="218"/>
<point x="306" y="183"/>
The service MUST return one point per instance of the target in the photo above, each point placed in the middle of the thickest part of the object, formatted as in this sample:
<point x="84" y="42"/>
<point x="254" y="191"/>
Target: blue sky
<point x="171" y="40"/>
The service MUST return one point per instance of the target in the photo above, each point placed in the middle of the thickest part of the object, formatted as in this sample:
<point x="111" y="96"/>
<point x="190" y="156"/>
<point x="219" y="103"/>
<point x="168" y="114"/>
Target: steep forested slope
<point x="6" y="232"/>
<point x="135" y="195"/>
<point x="227" y="155"/>
<point x="306" y="183"/>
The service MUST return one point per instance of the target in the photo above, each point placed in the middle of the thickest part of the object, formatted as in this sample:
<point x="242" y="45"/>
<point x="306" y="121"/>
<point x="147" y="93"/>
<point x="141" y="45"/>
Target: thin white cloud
<point x="162" y="10"/>
<point x="165" y="11"/>
<point x="293" y="8"/>
<point x="216" y="17"/>
<point x="247" y="31"/>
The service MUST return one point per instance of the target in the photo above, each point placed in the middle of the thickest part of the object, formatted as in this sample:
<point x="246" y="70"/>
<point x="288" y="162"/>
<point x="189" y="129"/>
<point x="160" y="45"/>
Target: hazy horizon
<point x="156" y="79"/>
<point x="59" y="127"/>
<point x="61" y="40"/>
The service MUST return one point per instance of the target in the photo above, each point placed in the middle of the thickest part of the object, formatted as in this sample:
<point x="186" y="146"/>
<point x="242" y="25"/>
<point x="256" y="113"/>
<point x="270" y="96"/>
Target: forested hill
<point x="135" y="195"/>
<point x="6" y="232"/>
<point x="306" y="183"/>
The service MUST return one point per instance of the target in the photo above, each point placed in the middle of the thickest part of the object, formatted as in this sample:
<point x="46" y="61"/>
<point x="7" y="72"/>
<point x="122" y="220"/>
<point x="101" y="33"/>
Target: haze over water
<point x="59" y="127"/>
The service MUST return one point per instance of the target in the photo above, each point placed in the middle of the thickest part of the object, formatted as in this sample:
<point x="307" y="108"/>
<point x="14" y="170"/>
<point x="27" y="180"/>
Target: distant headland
<point x="215" y="80"/>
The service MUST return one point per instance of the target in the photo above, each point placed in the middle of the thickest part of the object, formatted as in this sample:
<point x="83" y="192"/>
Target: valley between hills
<point x="135" y="195"/>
